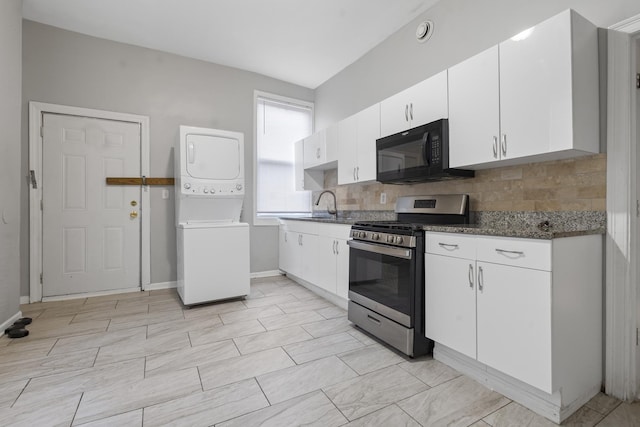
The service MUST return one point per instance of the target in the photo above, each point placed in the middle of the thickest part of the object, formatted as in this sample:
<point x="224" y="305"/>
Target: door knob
<point x="134" y="214"/>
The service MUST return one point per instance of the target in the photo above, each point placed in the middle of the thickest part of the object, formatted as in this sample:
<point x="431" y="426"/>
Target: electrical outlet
<point x="165" y="193"/>
<point x="383" y="198"/>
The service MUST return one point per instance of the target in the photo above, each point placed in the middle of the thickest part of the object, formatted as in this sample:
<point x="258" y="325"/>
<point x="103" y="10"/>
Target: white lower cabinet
<point x="526" y="312"/>
<point x="316" y="253"/>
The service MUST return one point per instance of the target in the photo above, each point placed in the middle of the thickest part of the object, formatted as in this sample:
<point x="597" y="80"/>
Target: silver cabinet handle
<point x="504" y="144"/>
<point x="357" y="173"/>
<point x="411" y="110"/>
<point x="480" y="279"/>
<point x="471" y="276"/>
<point x="406" y="112"/>
<point x="503" y="251"/>
<point x="318" y="153"/>
<point x="300" y="239"/>
<point x="354" y="174"/>
<point x="285" y="237"/>
<point x="337" y="246"/>
<point x="495" y="147"/>
<point x="448" y="245"/>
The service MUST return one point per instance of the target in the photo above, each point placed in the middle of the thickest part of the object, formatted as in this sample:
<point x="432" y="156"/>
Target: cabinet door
<point x="535" y="88"/>
<point x="514" y="322"/>
<point x="283" y="250"/>
<point x="394" y="113"/>
<point x="315" y="149"/>
<point x="368" y="131"/>
<point x="428" y="100"/>
<point x="310" y="268"/>
<point x="450" y="302"/>
<point x="474" y="110"/>
<point x="331" y="143"/>
<point x="347" y="150"/>
<point x="342" y="268"/>
<point x="326" y="261"/>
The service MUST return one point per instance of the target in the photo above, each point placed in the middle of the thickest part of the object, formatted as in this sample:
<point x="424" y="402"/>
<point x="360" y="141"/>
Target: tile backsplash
<point x="577" y="184"/>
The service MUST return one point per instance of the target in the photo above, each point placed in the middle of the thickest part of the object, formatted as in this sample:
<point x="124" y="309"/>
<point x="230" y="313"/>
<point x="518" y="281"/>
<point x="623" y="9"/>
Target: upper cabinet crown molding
<point x="533" y="97"/>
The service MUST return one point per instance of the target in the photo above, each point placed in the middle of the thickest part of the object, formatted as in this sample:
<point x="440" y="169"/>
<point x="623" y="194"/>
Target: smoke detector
<point x="424" y="31"/>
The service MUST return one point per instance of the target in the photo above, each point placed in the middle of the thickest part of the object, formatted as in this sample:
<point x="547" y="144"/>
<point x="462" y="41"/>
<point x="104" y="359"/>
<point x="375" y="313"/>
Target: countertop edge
<point x="525" y="234"/>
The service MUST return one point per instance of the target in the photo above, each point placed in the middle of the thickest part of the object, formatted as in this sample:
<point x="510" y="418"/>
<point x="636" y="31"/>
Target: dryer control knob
<point x="238" y="187"/>
<point x="187" y="185"/>
<point x="205" y="191"/>
<point x="213" y="191"/>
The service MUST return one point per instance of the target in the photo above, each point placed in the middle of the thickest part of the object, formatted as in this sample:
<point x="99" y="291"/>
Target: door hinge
<point x="41" y="278"/>
<point x="41" y="131"/>
<point x="637" y="207"/>
<point x="638" y="81"/>
<point x="41" y="205"/>
<point x="636" y="337"/>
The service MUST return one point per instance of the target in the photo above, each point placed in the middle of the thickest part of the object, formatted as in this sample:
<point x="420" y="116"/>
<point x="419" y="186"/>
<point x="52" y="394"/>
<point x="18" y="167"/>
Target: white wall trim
<point x="36" y="110"/>
<point x="10" y="321"/>
<point x="161" y="285"/>
<point x="269" y="273"/>
<point x="621" y="285"/>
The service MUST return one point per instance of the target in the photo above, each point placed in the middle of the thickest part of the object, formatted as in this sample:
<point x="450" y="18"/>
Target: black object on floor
<point x="17" y="333"/>
<point x="23" y="321"/>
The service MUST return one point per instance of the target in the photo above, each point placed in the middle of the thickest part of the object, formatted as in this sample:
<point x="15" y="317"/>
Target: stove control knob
<point x="398" y="239"/>
<point x="375" y="236"/>
<point x="363" y="234"/>
<point x="389" y="239"/>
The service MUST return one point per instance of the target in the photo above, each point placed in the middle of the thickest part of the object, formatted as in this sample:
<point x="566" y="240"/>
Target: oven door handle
<point x="382" y="250"/>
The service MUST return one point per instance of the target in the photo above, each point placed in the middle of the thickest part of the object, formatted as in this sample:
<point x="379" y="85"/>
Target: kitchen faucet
<point x="333" y="211"/>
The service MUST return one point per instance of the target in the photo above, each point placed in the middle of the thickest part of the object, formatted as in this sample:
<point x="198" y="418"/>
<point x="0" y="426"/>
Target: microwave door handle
<point x="426" y="151"/>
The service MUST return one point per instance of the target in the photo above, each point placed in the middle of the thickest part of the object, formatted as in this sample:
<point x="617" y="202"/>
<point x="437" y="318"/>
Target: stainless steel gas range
<point x="386" y="270"/>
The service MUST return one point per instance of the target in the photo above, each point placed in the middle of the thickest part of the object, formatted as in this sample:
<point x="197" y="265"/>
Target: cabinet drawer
<point x="527" y="253"/>
<point x="451" y="244"/>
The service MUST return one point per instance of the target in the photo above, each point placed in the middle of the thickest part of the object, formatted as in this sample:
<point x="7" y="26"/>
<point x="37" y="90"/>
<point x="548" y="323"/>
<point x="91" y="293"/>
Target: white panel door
<point x="368" y="131"/>
<point x="535" y="89"/>
<point x="347" y="150"/>
<point x="450" y="302"/>
<point x="514" y="322"/>
<point x="91" y="243"/>
<point x="342" y="268"/>
<point x="428" y="100"/>
<point x="474" y="110"/>
<point x="326" y="261"/>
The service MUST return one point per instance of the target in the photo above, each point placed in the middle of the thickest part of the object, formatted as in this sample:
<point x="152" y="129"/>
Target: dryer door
<point x="213" y="157"/>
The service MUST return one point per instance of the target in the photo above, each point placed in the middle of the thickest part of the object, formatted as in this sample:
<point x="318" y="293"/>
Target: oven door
<point x="381" y="278"/>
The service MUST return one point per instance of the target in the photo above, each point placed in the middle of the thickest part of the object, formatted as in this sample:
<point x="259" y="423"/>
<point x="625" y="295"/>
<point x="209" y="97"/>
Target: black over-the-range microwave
<point x="417" y="155"/>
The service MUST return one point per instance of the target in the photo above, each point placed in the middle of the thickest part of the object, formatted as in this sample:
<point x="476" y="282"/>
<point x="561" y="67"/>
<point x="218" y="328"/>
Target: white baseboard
<point x="89" y="294"/>
<point x="161" y="285"/>
<point x="549" y="406"/>
<point x="269" y="273"/>
<point x="24" y="299"/>
<point x="10" y="321"/>
<point x="332" y="298"/>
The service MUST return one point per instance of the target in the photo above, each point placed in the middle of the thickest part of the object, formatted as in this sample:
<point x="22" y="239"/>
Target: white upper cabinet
<point x="321" y="149"/>
<point x="474" y="110"/>
<point x="547" y="93"/>
<point x="422" y="103"/>
<point x="357" y="146"/>
<point x="305" y="179"/>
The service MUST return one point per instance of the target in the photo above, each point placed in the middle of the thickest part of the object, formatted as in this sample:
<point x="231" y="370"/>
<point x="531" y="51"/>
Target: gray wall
<point x="462" y="28"/>
<point x="63" y="67"/>
<point x="10" y="99"/>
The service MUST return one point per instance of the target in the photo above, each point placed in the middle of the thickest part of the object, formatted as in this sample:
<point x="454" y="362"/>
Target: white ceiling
<point x="305" y="42"/>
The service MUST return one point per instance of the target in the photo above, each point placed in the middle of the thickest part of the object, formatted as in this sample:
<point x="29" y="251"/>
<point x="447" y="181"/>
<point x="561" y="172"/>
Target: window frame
<point x="262" y="220"/>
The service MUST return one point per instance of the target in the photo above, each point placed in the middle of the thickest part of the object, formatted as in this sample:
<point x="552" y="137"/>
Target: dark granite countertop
<point x="525" y="233"/>
<point x="527" y="225"/>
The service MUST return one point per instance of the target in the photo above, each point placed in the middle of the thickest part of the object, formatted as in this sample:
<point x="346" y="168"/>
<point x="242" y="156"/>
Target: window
<point x="280" y="122"/>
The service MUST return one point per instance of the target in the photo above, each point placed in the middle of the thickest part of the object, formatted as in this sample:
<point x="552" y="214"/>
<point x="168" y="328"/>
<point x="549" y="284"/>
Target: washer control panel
<point x="215" y="189"/>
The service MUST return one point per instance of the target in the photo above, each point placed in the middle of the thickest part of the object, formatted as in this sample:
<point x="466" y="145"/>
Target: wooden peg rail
<point x="139" y="181"/>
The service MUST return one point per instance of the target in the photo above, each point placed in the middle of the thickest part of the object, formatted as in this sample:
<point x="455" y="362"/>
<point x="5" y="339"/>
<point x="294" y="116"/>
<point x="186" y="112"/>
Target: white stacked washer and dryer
<point x="213" y="245"/>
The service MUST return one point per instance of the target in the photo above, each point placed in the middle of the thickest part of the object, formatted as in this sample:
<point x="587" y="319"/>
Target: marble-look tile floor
<point x="281" y="357"/>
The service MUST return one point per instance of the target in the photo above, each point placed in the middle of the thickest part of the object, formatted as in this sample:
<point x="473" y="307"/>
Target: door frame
<point x="622" y="246"/>
<point x="36" y="111"/>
